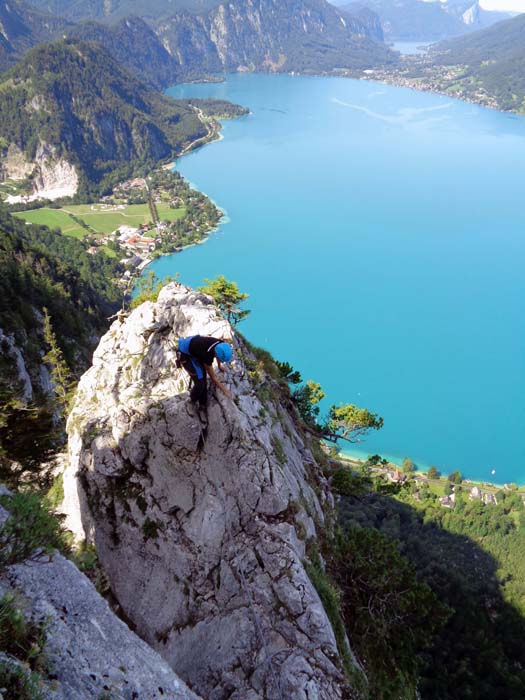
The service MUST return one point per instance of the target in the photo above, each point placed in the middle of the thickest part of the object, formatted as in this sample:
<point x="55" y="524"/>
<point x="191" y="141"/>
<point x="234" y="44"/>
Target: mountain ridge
<point x="306" y="36"/>
<point x="22" y="27"/>
<point x="418" y="20"/>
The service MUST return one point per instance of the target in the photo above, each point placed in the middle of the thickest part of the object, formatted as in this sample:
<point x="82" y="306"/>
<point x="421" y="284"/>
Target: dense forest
<point x="468" y="642"/>
<point x="42" y="272"/>
<point x="136" y="47"/>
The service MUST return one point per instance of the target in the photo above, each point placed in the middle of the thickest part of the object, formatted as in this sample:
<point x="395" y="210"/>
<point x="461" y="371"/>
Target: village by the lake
<point x="142" y="218"/>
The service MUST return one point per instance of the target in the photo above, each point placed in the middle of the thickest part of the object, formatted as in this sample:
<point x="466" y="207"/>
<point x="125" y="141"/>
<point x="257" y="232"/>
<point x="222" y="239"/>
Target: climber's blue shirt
<point x="201" y="349"/>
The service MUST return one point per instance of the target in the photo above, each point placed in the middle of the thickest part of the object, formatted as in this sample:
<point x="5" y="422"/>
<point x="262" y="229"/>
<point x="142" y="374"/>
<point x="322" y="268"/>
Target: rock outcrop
<point x="202" y="532"/>
<point x="52" y="177"/>
<point x="14" y="368"/>
<point x="89" y="652"/>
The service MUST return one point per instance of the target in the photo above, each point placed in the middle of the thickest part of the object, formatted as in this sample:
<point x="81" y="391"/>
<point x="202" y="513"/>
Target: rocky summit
<point x="203" y="531"/>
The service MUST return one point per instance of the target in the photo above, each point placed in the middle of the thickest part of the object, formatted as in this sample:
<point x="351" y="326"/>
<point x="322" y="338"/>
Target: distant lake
<point x="380" y="233"/>
<point x="411" y="47"/>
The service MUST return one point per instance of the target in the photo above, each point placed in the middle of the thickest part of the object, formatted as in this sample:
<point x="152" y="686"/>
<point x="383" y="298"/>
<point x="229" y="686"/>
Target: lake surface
<point x="411" y="48"/>
<point x="380" y="233"/>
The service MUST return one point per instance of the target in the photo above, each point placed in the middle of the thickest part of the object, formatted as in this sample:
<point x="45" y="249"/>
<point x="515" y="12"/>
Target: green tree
<point x="433" y="473"/>
<point x="455" y="477"/>
<point x="307" y="398"/>
<point x="287" y="372"/>
<point x="389" y="614"/>
<point x="228" y="298"/>
<point x="349" y="422"/>
<point x="408" y="466"/>
<point x="149" y="287"/>
<point x="63" y="384"/>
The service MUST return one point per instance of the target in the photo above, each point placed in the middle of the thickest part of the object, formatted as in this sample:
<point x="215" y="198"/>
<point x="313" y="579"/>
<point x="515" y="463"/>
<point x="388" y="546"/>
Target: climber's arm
<point x="217" y="383"/>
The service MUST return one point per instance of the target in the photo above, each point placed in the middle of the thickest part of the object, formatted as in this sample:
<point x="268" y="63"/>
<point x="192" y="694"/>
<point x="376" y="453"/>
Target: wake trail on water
<point x="405" y="115"/>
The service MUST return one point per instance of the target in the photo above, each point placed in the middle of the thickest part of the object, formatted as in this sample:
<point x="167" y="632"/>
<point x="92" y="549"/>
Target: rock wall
<point x="202" y="533"/>
<point x="270" y="35"/>
<point x="14" y="370"/>
<point x="14" y="164"/>
<point x="52" y="177"/>
<point x="90" y="653"/>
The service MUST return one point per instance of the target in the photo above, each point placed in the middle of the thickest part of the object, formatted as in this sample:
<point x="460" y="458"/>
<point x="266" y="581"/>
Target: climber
<point x="196" y="355"/>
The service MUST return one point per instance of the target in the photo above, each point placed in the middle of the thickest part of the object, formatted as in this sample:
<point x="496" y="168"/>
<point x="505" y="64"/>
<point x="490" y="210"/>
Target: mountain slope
<point x="135" y="46"/>
<point x="40" y="268"/>
<point x="22" y="27"/>
<point x="419" y="20"/>
<point x="501" y="42"/>
<point x="493" y="60"/>
<point x="77" y="10"/>
<point x="299" y="35"/>
<point x="81" y="109"/>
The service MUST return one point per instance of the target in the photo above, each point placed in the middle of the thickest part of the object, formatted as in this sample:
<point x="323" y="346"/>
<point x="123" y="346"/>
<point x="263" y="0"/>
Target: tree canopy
<point x="228" y="298"/>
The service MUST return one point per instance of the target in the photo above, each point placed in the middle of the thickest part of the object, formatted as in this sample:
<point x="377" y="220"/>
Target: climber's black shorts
<point x="199" y="388"/>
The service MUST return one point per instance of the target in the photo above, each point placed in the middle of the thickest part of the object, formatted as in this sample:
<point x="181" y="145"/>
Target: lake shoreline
<point x="487" y="485"/>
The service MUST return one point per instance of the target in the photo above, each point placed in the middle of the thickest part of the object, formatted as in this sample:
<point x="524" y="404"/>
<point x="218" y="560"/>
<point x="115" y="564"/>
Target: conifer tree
<point x="60" y="373"/>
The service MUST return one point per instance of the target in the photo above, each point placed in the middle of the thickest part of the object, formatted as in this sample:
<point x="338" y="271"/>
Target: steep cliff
<point x="203" y="531"/>
<point x="301" y="35"/>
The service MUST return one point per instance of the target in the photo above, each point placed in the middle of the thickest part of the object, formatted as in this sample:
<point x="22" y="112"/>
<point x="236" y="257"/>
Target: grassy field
<point x="53" y="218"/>
<point x="438" y="489"/>
<point x="101" y="218"/>
<point x="167" y="214"/>
<point x="105" y="219"/>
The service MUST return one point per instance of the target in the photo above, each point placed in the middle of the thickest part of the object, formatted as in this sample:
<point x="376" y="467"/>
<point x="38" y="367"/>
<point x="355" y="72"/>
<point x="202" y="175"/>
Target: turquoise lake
<point x="380" y="233"/>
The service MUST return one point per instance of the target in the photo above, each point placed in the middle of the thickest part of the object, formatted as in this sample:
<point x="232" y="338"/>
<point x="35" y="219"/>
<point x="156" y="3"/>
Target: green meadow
<point x="53" y="218"/>
<point x="100" y="217"/>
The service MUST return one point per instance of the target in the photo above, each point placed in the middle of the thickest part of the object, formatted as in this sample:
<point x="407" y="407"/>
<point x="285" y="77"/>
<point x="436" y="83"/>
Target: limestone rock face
<point x="55" y="177"/>
<point x="52" y="177"/>
<point x="89" y="651"/>
<point x="271" y="35"/>
<point x="13" y="360"/>
<point x="202" y="533"/>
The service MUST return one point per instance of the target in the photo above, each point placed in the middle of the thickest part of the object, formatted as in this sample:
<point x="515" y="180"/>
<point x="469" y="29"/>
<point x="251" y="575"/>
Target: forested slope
<point x="41" y="269"/>
<point x="77" y="102"/>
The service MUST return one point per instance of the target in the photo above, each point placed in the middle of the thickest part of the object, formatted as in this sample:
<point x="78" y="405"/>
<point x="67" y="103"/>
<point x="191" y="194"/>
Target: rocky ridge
<point x="203" y="532"/>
